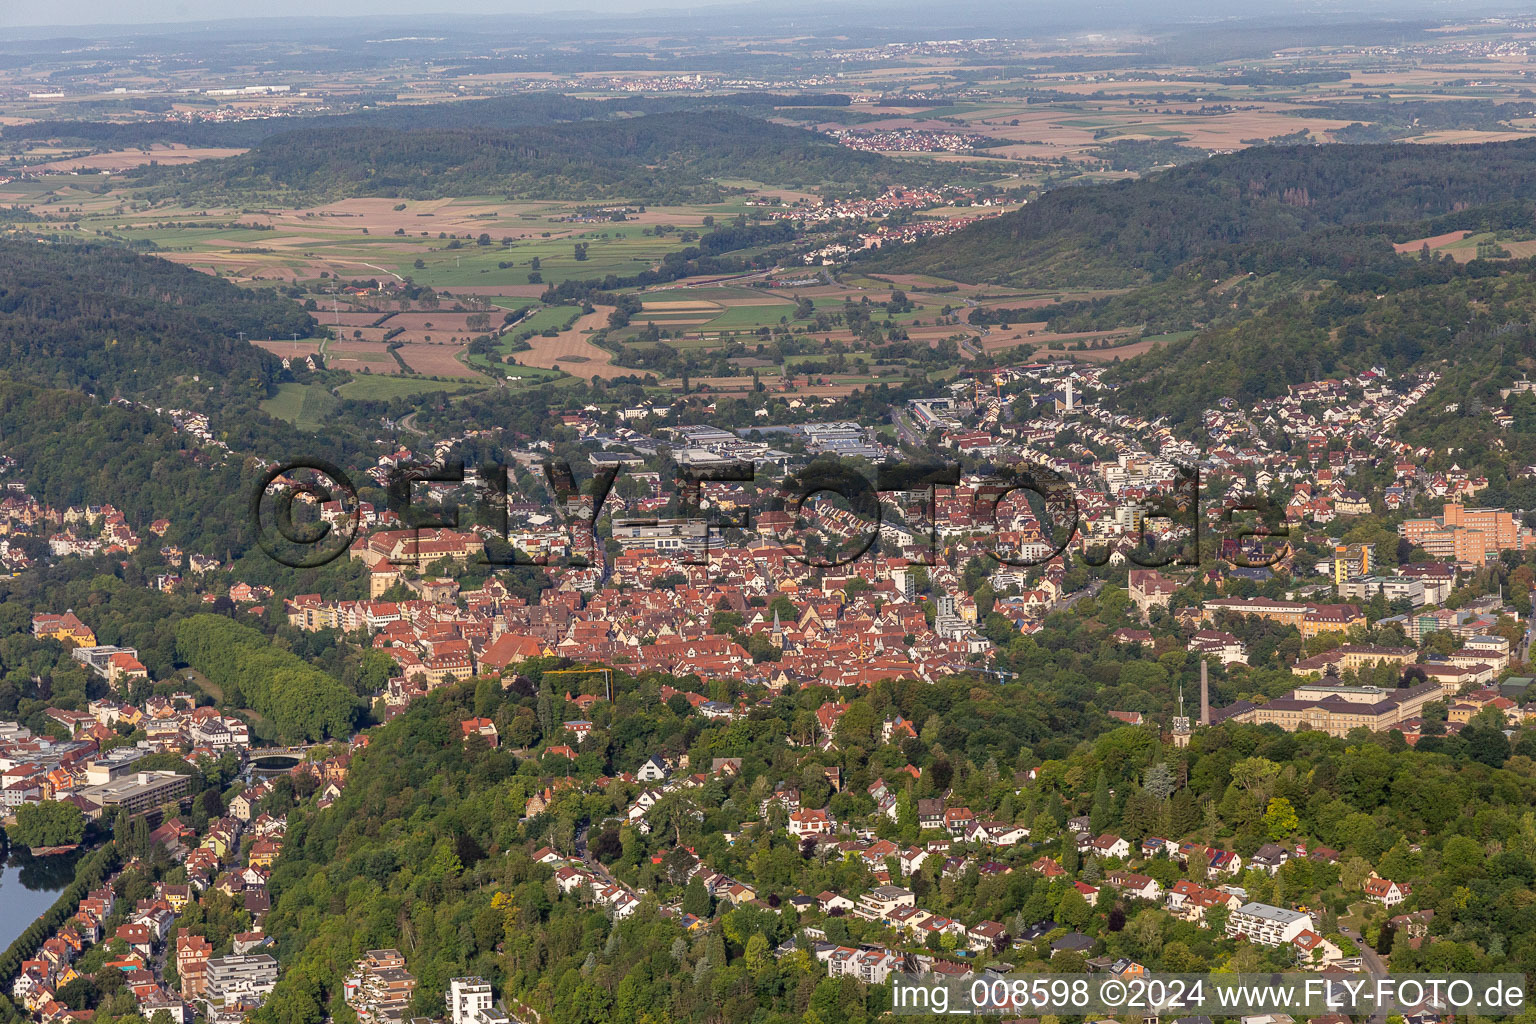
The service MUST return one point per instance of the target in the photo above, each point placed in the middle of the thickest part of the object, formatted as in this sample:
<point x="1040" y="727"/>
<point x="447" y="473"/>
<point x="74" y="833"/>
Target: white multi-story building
<point x="471" y="1001"/>
<point x="239" y="981"/>
<point x="878" y="903"/>
<point x="871" y="966"/>
<point x="1267" y="925"/>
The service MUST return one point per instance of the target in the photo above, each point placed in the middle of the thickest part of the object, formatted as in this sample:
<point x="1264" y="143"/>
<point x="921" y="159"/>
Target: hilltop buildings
<point x="66" y="628"/>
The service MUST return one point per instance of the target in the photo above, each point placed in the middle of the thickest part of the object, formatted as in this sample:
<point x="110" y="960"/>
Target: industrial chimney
<point x="1205" y="694"/>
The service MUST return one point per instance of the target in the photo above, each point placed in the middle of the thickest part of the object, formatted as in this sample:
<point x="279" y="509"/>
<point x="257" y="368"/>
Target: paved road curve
<point x="1375" y="966"/>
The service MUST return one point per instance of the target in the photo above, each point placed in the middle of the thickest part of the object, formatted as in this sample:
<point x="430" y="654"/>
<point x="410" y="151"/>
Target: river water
<point x="28" y="886"/>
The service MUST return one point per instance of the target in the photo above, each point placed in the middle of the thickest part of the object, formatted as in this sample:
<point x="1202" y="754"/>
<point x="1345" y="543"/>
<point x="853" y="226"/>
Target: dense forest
<point x="94" y="339"/>
<point x="107" y="320"/>
<point x="1134" y="231"/>
<point x="502" y="111"/>
<point x="658" y="158"/>
<point x="81" y="450"/>
<point x="302" y="702"/>
<point x="1382" y="122"/>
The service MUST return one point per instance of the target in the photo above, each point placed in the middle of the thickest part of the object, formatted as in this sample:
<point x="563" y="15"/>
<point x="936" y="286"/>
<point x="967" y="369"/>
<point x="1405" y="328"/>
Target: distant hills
<point x="1137" y="231"/>
<point x="498" y="113"/>
<point x="656" y="158"/>
<point x="643" y="149"/>
<point x="1277" y="265"/>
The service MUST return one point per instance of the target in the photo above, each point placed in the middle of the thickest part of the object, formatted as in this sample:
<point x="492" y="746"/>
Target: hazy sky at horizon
<point x="79" y="16"/>
<point x="66" y="14"/>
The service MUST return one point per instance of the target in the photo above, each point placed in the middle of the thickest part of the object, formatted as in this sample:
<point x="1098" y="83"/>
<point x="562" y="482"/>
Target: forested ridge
<point x="501" y="111"/>
<point x="1469" y="322"/>
<point x="302" y="702"/>
<point x="1381" y="122"/>
<point x="107" y="320"/>
<point x="1140" y="230"/>
<point x="1276" y="266"/>
<point x="97" y="343"/>
<point x="659" y="158"/>
<point x="77" y="450"/>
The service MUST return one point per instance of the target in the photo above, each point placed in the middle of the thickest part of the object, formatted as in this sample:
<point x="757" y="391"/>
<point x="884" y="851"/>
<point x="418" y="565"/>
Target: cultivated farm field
<point x="434" y="361"/>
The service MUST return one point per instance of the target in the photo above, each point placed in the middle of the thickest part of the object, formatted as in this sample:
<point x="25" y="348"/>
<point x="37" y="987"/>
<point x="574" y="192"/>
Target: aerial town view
<point x="746" y="513"/>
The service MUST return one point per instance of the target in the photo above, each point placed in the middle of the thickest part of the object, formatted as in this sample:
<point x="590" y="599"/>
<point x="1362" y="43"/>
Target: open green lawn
<point x="304" y="405"/>
<point x="441" y="270"/>
<point x="957" y="109"/>
<point x="558" y="317"/>
<point x="715" y="294"/>
<point x="531" y="375"/>
<point x="744" y="317"/>
<point x="482" y="361"/>
<point x="804" y="357"/>
<point x="923" y="280"/>
<point x="664" y="316"/>
<point x="523" y="375"/>
<point x="610" y="249"/>
<point x="694" y="342"/>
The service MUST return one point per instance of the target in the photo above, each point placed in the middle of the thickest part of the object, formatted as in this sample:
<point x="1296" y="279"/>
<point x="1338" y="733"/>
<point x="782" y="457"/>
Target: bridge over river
<point x="276" y="759"/>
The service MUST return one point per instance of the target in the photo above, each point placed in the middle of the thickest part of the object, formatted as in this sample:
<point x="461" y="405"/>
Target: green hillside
<point x="108" y="320"/>
<point x="664" y="157"/>
<point x="1140" y="230"/>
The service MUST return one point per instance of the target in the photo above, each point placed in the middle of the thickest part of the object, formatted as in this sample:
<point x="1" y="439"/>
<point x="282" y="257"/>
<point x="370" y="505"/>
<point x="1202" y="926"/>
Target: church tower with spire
<point x="1181" y="729"/>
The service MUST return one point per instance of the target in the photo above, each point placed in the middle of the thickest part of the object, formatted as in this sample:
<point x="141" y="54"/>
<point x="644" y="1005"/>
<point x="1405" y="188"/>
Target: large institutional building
<point x="1310" y="618"/>
<point x="1463" y="534"/>
<point x="137" y="792"/>
<point x="1334" y="709"/>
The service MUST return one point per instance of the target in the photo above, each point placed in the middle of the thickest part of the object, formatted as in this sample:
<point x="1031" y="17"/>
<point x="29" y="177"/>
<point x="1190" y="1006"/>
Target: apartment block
<point x="137" y="792"/>
<point x="239" y="981"/>
<point x="1267" y="925"/>
<point x="471" y="1001"/>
